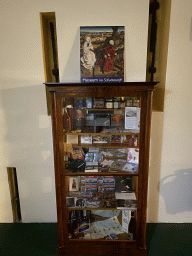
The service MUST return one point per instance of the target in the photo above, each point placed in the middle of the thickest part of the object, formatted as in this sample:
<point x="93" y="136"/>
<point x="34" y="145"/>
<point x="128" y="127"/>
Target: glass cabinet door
<point x="101" y="154"/>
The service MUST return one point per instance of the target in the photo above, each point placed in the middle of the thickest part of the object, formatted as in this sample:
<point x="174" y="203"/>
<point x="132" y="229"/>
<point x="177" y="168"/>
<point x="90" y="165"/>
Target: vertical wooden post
<point x="14" y="193"/>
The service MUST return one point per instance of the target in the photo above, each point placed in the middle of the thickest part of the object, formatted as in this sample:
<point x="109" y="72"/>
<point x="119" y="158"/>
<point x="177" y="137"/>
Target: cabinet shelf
<point x="103" y="145"/>
<point x="124" y="238"/>
<point x="118" y="173"/>
<point x="105" y="109"/>
<point x="101" y="133"/>
<point x="101" y="209"/>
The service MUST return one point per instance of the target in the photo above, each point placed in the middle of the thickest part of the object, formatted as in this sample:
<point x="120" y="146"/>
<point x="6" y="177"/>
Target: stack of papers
<point x="101" y="229"/>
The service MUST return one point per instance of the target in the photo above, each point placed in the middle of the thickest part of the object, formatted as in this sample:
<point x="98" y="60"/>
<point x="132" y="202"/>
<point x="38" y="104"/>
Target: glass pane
<point x="101" y="134"/>
<point x="99" y="224"/>
<point x="93" y="199"/>
<point x="102" y="115"/>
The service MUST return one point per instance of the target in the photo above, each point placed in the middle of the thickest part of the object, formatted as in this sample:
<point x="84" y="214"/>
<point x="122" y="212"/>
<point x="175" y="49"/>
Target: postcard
<point x="100" y="139"/>
<point x="72" y="139"/>
<point x="86" y="139"/>
<point x="129" y="140"/>
<point x="92" y="204"/>
<point x="116" y="139"/>
<point x="126" y="204"/>
<point x="125" y="196"/>
<point x="91" y="168"/>
<point x="89" y="157"/>
<point x="130" y="167"/>
<point x="98" y="157"/>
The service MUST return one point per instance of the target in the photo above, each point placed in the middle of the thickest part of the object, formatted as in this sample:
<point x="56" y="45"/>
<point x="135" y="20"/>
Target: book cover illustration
<point x="102" y="54"/>
<point x="117" y="120"/>
<point x="132" y="160"/>
<point x="77" y="153"/>
<point x="74" y="183"/>
<point x="123" y="184"/>
<point x="133" y="155"/>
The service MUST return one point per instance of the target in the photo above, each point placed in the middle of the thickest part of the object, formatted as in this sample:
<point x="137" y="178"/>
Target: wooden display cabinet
<point x="101" y="137"/>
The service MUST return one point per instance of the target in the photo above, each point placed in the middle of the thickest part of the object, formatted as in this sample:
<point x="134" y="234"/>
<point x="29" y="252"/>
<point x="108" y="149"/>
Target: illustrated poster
<point x="102" y="54"/>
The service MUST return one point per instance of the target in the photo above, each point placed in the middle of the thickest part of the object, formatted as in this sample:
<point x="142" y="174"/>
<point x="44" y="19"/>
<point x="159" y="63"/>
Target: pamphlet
<point x="131" y="118"/>
<point x="125" y="220"/>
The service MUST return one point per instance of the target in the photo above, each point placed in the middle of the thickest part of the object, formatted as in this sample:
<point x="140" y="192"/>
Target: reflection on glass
<point x="102" y="192"/>
<point x="101" y="134"/>
<point x="95" y="115"/>
<point x="87" y="158"/>
<point x="108" y="225"/>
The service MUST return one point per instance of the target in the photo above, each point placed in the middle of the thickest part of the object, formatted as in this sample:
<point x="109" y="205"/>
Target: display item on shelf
<point x="132" y="226"/>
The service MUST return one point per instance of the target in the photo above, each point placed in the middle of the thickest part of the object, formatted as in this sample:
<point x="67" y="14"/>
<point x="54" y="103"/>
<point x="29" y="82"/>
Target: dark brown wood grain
<point x="58" y="91"/>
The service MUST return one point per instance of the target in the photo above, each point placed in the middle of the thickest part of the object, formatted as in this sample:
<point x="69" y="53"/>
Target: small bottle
<point x="89" y="102"/>
<point x="122" y="102"/>
<point x="129" y="102"/>
<point x="69" y="228"/>
<point x="135" y="141"/>
<point x="66" y="120"/>
<point x="116" y="102"/>
<point x="79" y="222"/>
<point x="109" y="103"/>
<point x="132" y="226"/>
<point x="136" y="102"/>
<point x="74" y="230"/>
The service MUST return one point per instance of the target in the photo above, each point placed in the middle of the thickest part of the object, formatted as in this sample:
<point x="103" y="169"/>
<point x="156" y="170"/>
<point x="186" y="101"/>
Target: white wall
<point x="25" y="128"/>
<point x="175" y="201"/>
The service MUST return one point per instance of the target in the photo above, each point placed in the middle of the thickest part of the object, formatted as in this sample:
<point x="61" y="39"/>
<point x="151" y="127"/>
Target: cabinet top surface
<point x="93" y="87"/>
<point x="152" y="84"/>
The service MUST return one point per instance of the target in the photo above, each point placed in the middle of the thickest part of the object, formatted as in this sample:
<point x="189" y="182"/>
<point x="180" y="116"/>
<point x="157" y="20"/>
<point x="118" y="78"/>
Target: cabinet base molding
<point x="96" y="248"/>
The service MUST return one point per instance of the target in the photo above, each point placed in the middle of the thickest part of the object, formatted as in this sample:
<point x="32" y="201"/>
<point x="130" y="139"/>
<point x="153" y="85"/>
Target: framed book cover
<point x="74" y="183"/>
<point x="102" y="54"/>
<point x="71" y="201"/>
